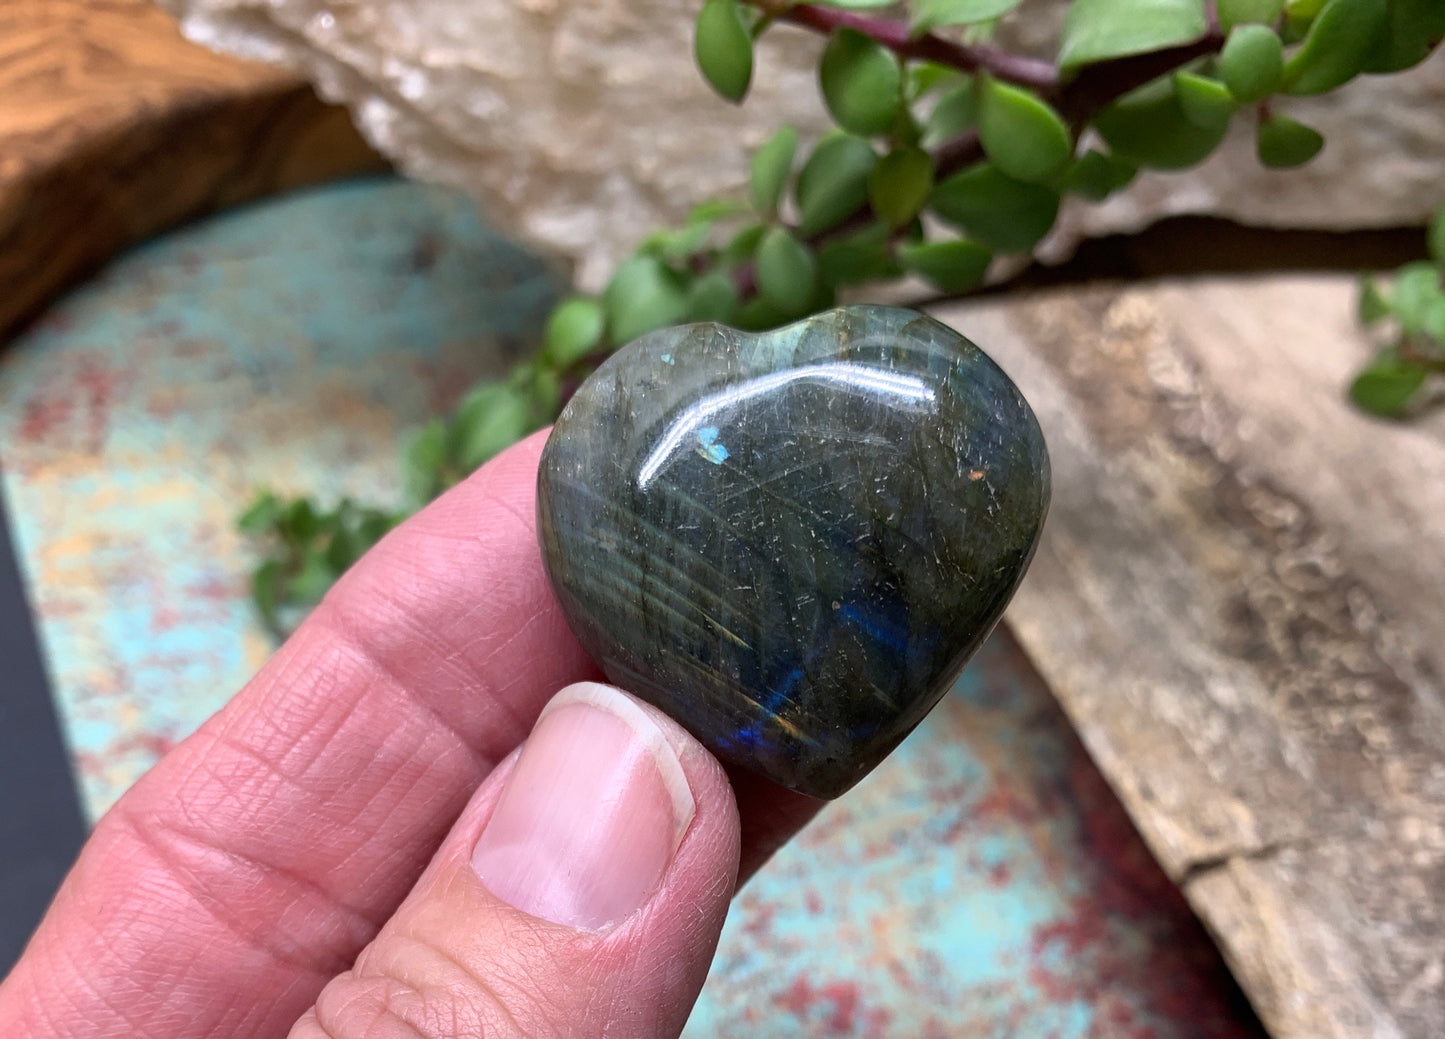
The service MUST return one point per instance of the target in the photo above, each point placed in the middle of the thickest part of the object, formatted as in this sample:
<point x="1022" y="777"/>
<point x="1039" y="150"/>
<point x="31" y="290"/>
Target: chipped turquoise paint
<point x="291" y="343"/>
<point x="983" y="882"/>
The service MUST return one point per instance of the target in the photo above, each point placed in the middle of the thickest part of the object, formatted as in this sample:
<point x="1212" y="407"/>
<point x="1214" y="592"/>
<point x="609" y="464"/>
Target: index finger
<point x="250" y="865"/>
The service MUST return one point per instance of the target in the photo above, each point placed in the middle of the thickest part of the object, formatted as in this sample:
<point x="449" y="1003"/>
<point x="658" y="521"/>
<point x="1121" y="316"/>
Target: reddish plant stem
<point x="961" y="152"/>
<point x="1014" y="68"/>
<point x="1098" y="86"/>
<point x="745" y="280"/>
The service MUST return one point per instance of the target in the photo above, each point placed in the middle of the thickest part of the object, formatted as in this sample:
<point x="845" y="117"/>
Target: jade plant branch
<point x="1079" y="98"/>
<point x="986" y="141"/>
<point x="1034" y="73"/>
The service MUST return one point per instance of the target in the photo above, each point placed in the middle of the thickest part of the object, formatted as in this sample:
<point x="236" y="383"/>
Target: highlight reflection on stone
<point x="792" y="542"/>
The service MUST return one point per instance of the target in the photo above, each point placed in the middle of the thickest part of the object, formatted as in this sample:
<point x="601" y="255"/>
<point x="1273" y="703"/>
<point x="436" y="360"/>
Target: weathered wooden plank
<point x="112" y="127"/>
<point x="1239" y="601"/>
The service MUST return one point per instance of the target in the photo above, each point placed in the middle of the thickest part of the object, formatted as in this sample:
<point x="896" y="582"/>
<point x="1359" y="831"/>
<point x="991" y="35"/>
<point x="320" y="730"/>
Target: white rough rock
<point x="583" y="126"/>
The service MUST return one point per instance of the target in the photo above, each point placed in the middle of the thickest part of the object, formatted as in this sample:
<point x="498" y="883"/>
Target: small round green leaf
<point x="955" y="112"/>
<point x="1207" y="103"/>
<point x="642" y="295"/>
<point x="1298" y="15"/>
<point x="724" y="48"/>
<point x="862" y="83"/>
<point x="744" y="244"/>
<point x="1284" y="143"/>
<point x="833" y="183"/>
<point x="1003" y="213"/>
<point x="1252" y="62"/>
<point x="1337" y="45"/>
<point x="861" y="256"/>
<point x="1021" y="134"/>
<point x="375" y="523"/>
<point x="1239" y="12"/>
<point x="929" y="14"/>
<point x="424" y="461"/>
<point x="1436" y="237"/>
<point x="676" y="243"/>
<point x="574" y="330"/>
<point x="1097" y="30"/>
<point x="758" y="313"/>
<point x="299" y="521"/>
<point x="1410" y="33"/>
<point x="770" y="168"/>
<point x="316" y="575"/>
<point x="922" y="77"/>
<point x="266" y="591"/>
<point x="1096" y="175"/>
<point x="345" y="548"/>
<point x="1435" y="322"/>
<point x="713" y="297"/>
<point x="1371" y="306"/>
<point x="544" y="390"/>
<point x="954" y="266"/>
<point x="261" y="515"/>
<point x="899" y="185"/>
<point x="1386" y="386"/>
<point x="1418" y="292"/>
<point x="712" y="209"/>
<point x="787" y="271"/>
<point x="491" y="419"/>
<point x="1149" y="127"/>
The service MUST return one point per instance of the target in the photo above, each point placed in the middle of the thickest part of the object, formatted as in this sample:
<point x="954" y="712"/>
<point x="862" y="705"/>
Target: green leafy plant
<point x="1412" y="311"/>
<point x="948" y="152"/>
<point x="308" y="549"/>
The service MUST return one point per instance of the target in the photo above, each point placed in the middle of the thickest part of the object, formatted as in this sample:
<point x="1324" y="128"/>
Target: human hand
<point x="361" y="844"/>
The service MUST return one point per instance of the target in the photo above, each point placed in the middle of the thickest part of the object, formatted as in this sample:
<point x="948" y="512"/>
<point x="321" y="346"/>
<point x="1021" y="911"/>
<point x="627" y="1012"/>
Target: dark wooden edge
<point x="135" y="181"/>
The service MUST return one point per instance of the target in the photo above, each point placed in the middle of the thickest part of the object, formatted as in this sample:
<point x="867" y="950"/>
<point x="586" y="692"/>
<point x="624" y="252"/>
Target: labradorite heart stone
<point x="792" y="542"/>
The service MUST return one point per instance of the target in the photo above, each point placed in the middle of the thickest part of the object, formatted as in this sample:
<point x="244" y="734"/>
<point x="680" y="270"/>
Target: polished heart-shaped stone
<point x="793" y="541"/>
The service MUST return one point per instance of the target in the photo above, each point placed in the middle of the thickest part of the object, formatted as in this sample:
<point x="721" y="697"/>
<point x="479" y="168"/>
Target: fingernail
<point x="591" y="815"/>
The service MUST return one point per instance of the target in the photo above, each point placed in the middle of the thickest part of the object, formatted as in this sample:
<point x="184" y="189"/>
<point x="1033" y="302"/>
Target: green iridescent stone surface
<point x="793" y="541"/>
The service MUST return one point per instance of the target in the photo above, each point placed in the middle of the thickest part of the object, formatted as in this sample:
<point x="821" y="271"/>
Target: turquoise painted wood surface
<point x="983" y="882"/>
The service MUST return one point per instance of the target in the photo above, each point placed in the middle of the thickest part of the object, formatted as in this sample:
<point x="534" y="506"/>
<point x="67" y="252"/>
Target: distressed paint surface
<point x="983" y="882"/>
<point x="292" y="343"/>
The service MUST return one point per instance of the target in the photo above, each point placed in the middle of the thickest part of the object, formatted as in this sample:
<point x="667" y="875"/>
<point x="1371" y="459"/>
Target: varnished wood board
<point x="113" y="127"/>
<point x="1240" y="601"/>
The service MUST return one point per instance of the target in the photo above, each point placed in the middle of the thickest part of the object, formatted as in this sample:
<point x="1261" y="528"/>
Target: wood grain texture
<point x="112" y="127"/>
<point x="1239" y="599"/>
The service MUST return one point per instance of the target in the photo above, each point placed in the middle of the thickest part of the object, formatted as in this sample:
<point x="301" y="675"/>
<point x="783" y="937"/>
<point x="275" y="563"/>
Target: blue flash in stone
<point x="801" y="608"/>
<point x="708" y="446"/>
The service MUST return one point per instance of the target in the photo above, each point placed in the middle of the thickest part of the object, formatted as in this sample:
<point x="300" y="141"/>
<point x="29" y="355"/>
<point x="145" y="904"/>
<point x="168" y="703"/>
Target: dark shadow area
<point x="41" y="827"/>
<point x="1187" y="245"/>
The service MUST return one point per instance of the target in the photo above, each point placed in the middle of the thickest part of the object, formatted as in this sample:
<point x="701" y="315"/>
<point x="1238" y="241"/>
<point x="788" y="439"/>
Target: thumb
<point x="580" y="893"/>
